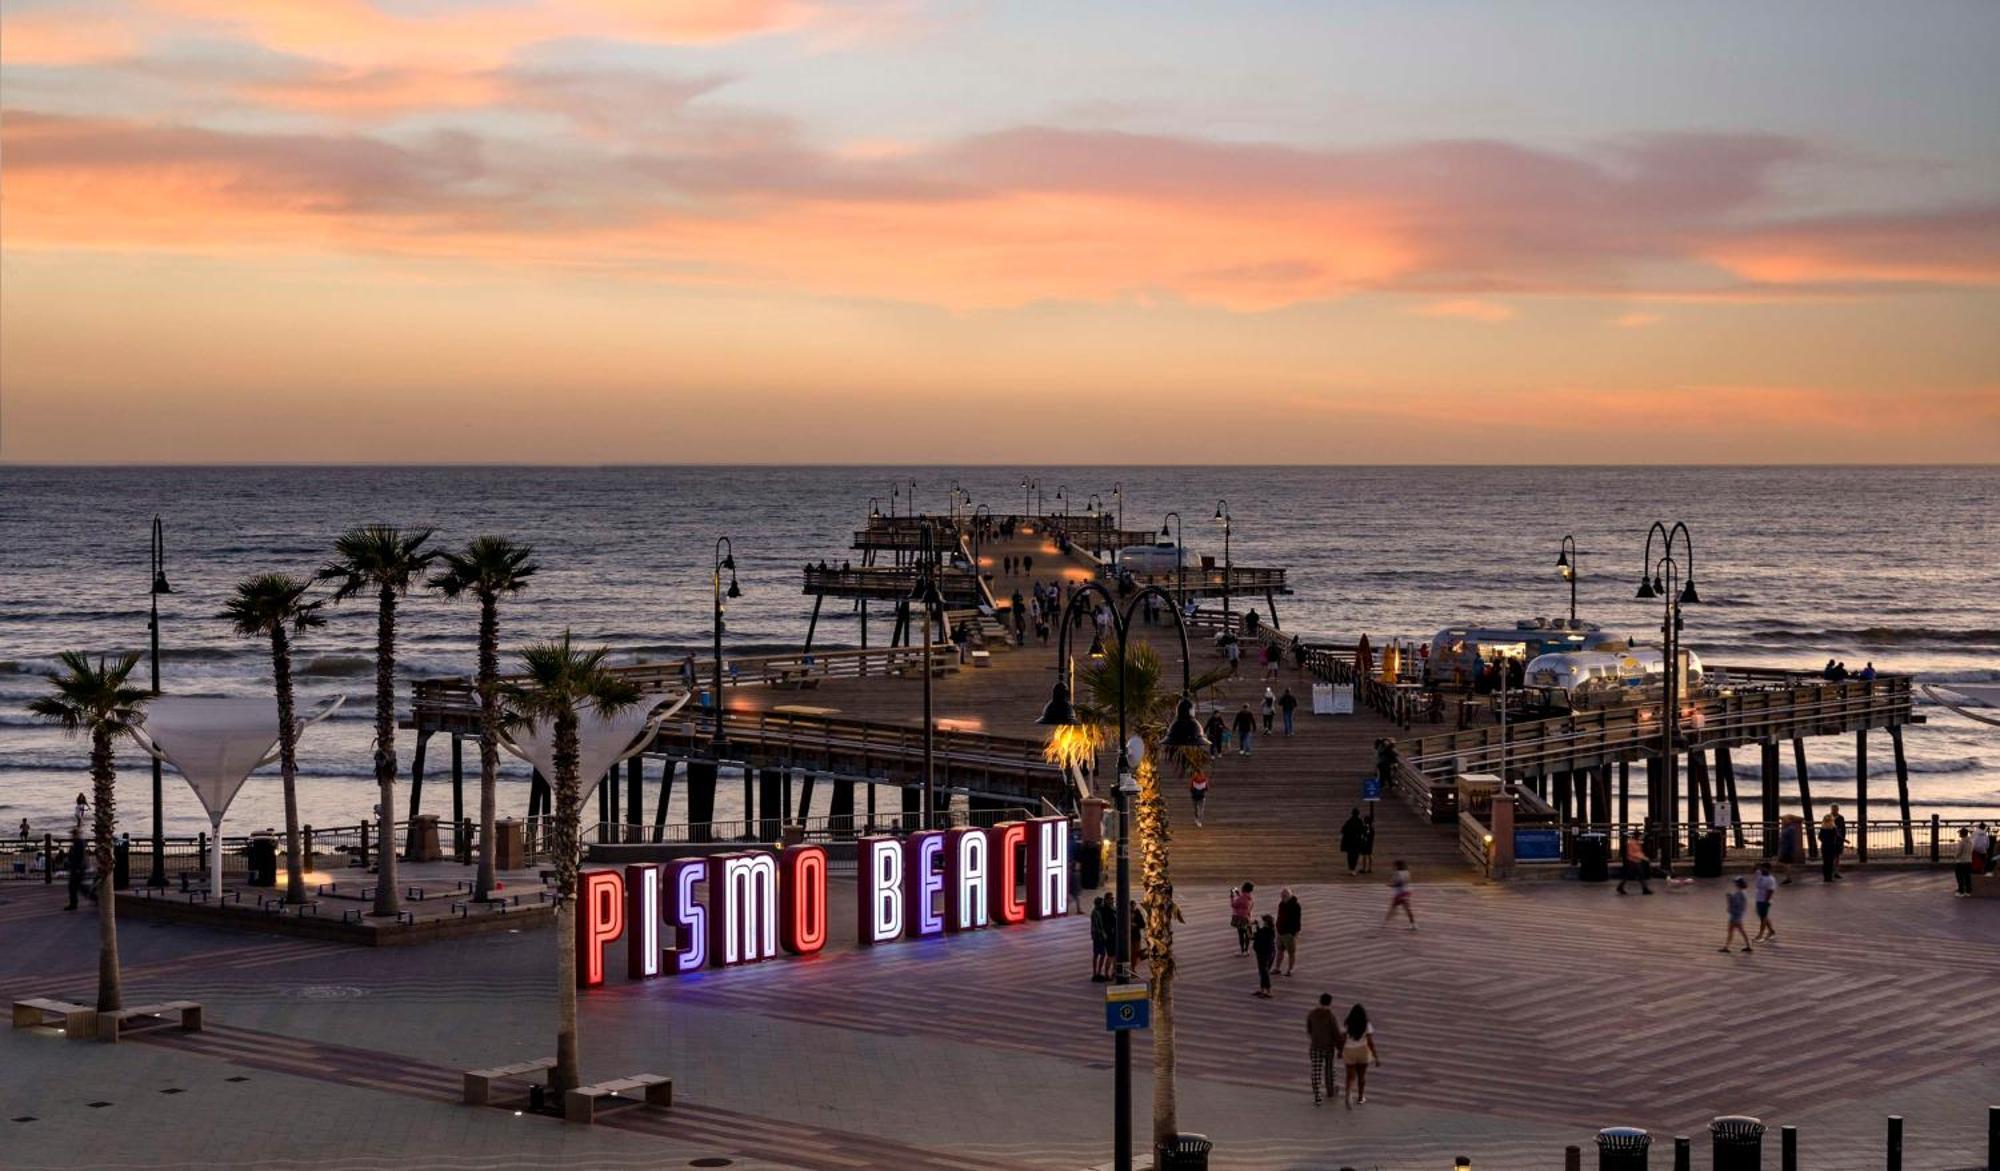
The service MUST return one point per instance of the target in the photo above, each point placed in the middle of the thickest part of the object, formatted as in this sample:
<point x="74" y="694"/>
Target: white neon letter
<point x="690" y="918"/>
<point x="967" y="883"/>
<point x="879" y="904"/>
<point x="924" y="883"/>
<point x="1049" y="872"/>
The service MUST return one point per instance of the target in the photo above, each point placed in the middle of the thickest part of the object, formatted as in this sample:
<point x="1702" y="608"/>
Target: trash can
<point x="1188" y="1152"/>
<point x="1622" y="1148"/>
<point x="121" y="865"/>
<point x="263" y="860"/>
<point x="1593" y="857"/>
<point x="509" y="848"/>
<point x="1738" y="1143"/>
<point x="1708" y="855"/>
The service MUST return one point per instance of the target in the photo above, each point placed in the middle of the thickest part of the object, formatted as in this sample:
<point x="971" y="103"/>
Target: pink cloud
<point x="1636" y="320"/>
<point x="1466" y="309"/>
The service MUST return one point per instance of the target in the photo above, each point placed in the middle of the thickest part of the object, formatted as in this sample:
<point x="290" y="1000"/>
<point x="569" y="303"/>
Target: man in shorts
<point x="1764" y="887"/>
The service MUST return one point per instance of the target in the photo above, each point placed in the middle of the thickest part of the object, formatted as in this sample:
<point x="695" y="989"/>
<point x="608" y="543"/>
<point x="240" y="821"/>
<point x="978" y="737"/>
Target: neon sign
<point x="744" y="907"/>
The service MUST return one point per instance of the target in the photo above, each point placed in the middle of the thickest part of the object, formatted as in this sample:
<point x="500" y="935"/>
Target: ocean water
<point x="1886" y="565"/>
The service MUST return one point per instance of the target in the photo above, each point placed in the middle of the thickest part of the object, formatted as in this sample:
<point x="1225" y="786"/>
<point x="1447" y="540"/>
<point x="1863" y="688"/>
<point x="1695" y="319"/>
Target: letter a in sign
<point x="965" y="857"/>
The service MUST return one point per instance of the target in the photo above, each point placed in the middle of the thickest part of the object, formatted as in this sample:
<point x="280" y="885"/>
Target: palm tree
<point x="387" y="560"/>
<point x="1150" y="707"/>
<point x="488" y="568"/>
<point x="561" y="680"/>
<point x="95" y="699"/>
<point x="274" y="606"/>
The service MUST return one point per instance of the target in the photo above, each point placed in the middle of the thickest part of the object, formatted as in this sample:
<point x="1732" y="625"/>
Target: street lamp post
<point x="1660" y="578"/>
<point x="158" y="875"/>
<point x="1222" y="515"/>
<point x="1093" y="506"/>
<point x="927" y="595"/>
<point x="1028" y="488"/>
<point x="1179" y="532"/>
<point x="1117" y="519"/>
<point x="1183" y="732"/>
<point x="979" y="537"/>
<point x="725" y="558"/>
<point x="1569" y="564"/>
<point x="956" y="492"/>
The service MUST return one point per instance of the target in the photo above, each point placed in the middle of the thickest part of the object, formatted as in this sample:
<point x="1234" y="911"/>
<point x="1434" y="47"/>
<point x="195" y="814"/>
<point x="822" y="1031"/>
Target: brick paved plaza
<point x="1515" y="1022"/>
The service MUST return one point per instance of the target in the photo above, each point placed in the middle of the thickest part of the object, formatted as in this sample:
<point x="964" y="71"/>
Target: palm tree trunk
<point x="387" y="897"/>
<point x="110" y="988"/>
<point x="567" y="831"/>
<point x="489" y="737"/>
<point x="288" y="764"/>
<point x="1151" y="825"/>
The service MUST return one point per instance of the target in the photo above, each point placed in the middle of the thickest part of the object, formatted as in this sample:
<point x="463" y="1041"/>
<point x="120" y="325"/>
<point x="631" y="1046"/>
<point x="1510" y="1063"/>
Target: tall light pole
<point x="1062" y="494"/>
<point x="1029" y="486"/>
<point x="158" y="875"/>
<point x="1180" y="549"/>
<point x="1569" y="564"/>
<point x="927" y="595"/>
<point x="1222" y="517"/>
<point x="1093" y="505"/>
<point x="956" y="492"/>
<point x="979" y="536"/>
<point x="725" y="558"/>
<point x="1659" y="578"/>
<point x="1182" y="733"/>
<point x="1117" y="520"/>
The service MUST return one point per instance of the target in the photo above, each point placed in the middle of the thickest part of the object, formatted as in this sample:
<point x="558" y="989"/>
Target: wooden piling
<point x="667" y="767"/>
<point x="635" y="799"/>
<point x="1769" y="763"/>
<point x="1861" y="794"/>
<point x="1902" y="786"/>
<point x="1805" y="795"/>
<point x="416" y="778"/>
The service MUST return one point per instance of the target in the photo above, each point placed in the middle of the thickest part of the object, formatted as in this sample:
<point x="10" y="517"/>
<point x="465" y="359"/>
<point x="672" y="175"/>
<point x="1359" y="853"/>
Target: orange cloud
<point x="1636" y="320"/>
<point x="51" y="38"/>
<point x="1467" y="310"/>
<point x="1954" y="246"/>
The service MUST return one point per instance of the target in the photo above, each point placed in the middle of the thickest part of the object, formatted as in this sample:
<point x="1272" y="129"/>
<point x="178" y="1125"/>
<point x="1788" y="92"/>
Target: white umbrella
<point x="602" y="741"/>
<point x="215" y="744"/>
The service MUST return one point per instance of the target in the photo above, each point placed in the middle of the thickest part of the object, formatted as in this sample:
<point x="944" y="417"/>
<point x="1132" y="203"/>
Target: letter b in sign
<point x="879" y="905"/>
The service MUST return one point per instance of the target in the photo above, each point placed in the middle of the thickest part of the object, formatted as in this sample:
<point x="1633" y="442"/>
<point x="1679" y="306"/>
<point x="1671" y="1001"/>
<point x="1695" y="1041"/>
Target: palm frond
<point x="559" y="679"/>
<point x="266" y="602"/>
<point x="88" y="695"/>
<point x="374" y="557"/>
<point x="487" y="565"/>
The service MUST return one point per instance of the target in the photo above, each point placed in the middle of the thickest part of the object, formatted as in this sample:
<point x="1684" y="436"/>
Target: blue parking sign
<point x="1127" y="1007"/>
<point x="1371" y="788"/>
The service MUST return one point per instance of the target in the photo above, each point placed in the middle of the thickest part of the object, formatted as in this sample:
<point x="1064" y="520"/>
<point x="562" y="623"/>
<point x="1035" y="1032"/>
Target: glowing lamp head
<point x="1059" y="713"/>
<point x="1096" y="646"/>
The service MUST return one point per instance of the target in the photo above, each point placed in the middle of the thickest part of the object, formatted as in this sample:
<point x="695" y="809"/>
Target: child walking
<point x="1739" y="901"/>
<point x="1765" y="887"/>
<point x="1399" y="895"/>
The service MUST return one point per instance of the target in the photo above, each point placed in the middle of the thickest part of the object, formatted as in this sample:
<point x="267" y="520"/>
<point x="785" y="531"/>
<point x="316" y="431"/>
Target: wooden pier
<point x="854" y="731"/>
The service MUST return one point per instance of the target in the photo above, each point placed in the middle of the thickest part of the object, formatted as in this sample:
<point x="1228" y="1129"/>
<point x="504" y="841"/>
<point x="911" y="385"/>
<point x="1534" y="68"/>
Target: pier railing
<point x="453" y="704"/>
<point x="887" y="583"/>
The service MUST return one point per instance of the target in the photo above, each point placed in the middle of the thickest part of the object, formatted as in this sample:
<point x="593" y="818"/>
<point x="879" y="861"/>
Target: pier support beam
<point x="1861" y="794"/>
<point x="1902" y="786"/>
<point x="1725" y="787"/>
<point x="635" y="799"/>
<point x="806" y="796"/>
<point x="770" y="801"/>
<point x="702" y="775"/>
<point x="1271" y="604"/>
<point x="864" y="624"/>
<point x="1805" y="795"/>
<point x="1624" y="792"/>
<point x="459" y="782"/>
<point x="1698" y="789"/>
<point x="811" y="626"/>
<point x="416" y="778"/>
<point x="842" y="807"/>
<point x="1772" y="816"/>
<point x="1656" y="790"/>
<point x="666" y="794"/>
<point x="1562" y="798"/>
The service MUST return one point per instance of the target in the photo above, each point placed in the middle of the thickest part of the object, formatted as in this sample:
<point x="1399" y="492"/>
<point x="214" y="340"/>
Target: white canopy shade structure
<point x="1974" y="701"/>
<point x="215" y="744"/>
<point x="602" y="741"/>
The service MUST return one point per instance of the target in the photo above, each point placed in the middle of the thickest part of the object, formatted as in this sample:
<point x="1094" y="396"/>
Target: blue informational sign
<point x="1126" y="1007"/>
<point x="1538" y="845"/>
<point x="1371" y="788"/>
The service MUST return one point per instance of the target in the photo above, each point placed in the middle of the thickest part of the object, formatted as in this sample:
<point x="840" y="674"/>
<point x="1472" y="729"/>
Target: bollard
<point x="1736" y="1143"/>
<point x="364" y="845"/>
<point x="1895" y="1162"/>
<point x="1622" y="1148"/>
<point x="48" y="859"/>
<point x="1788" y="1148"/>
<point x="1572" y="1159"/>
<point x="1683" y="1153"/>
<point x="1993" y="1138"/>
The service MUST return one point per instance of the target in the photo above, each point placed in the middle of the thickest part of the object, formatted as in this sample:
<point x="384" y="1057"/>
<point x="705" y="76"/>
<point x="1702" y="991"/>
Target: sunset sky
<point x="791" y="231"/>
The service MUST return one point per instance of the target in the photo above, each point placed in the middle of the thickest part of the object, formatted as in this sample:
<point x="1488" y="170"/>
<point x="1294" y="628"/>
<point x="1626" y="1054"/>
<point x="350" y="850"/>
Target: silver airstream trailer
<point x="1589" y="677"/>
<point x="1457" y="653"/>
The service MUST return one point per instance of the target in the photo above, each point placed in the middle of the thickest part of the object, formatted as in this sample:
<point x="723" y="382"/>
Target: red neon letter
<point x="802" y="899"/>
<point x="1007" y="841"/>
<point x="600" y="913"/>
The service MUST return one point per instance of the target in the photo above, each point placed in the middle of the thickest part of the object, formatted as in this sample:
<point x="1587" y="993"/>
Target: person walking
<point x="1368" y="844"/>
<point x="1399" y="895"/>
<point x="1290" y="916"/>
<point x="1198" y="792"/>
<point x="1323" y="1038"/>
<point x="1271" y="658"/>
<point x="1982" y="849"/>
<point x="1264" y="942"/>
<point x="1353" y="834"/>
<point x="1829" y="849"/>
<point x="1637" y="867"/>
<point x="1287" y="704"/>
<point x="1218" y="733"/>
<point x="1738" y="901"/>
<point x="78" y="861"/>
<point x="1242" y="905"/>
<point x="1270" y="710"/>
<point x="1840" y="827"/>
<point x="1246" y="724"/>
<point x="1103" y="929"/>
<point x="1233" y="651"/>
<point x="1961" y="865"/>
<point x="1791" y="844"/>
<point x="1357" y="1053"/>
<point x="1765" y="888"/>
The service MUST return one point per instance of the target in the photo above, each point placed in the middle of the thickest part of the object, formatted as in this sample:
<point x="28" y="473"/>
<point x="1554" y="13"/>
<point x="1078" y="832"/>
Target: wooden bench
<point x="580" y="1104"/>
<point x="479" y="1082"/>
<point x="77" y="1021"/>
<point x="111" y="1024"/>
